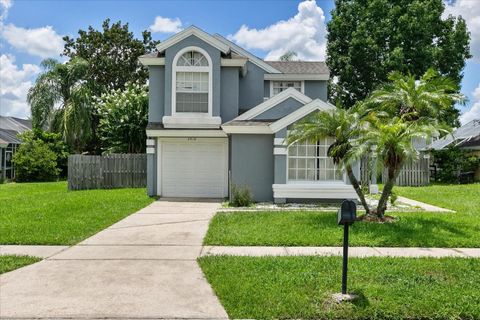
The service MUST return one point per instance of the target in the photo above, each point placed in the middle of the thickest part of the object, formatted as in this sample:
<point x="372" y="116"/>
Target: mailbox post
<point x="346" y="216"/>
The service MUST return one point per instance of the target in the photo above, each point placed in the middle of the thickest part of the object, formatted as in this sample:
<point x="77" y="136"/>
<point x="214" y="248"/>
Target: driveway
<point x="144" y="266"/>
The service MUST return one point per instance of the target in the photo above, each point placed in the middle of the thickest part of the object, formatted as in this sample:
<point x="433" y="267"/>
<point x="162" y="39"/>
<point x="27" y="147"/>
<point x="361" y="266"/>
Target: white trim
<point x="270" y="103"/>
<point x="258" y="62"/>
<point x="159" y="166"/>
<point x="187" y="133"/>
<point x="279" y="141"/>
<point x="176" y="68"/>
<point x="302" y="88"/>
<point x="150" y="142"/>
<point x="233" y="62"/>
<point x="280" y="151"/>
<point x="150" y="150"/>
<point x="152" y="61"/>
<point x="295" y="76"/>
<point x="191" y="121"/>
<point x="247" y="129"/>
<point x="192" y="30"/>
<point x="325" y="190"/>
<point x="316" y="104"/>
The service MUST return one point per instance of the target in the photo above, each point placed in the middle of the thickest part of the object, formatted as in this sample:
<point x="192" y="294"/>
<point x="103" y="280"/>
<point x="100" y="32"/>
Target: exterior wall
<point x="156" y="93"/>
<point x="266" y="89"/>
<point x="152" y="168"/>
<point x="214" y="55"/>
<point x="251" y="87"/>
<point x="229" y="93"/>
<point x="316" y="89"/>
<point x="251" y="159"/>
<point x="280" y="110"/>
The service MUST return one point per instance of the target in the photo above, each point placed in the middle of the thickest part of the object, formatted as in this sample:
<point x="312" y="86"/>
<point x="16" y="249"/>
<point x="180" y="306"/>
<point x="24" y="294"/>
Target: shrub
<point x="452" y="161"/>
<point x="241" y="197"/>
<point x="35" y="161"/>
<point x="393" y="198"/>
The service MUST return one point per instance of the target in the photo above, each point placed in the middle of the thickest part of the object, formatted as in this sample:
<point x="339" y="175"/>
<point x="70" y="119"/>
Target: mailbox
<point x="347" y="213"/>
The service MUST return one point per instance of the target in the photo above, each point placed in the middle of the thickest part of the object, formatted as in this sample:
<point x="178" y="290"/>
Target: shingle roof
<point x="11" y="126"/>
<point x="466" y="136"/>
<point x="300" y="67"/>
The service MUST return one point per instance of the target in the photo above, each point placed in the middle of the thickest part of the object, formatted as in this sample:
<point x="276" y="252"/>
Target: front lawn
<point x="389" y="288"/>
<point x="12" y="262"/>
<point x="412" y="229"/>
<point x="48" y="214"/>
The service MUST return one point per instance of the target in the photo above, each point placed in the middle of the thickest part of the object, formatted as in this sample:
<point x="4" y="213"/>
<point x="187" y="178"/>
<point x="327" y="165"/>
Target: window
<point x="308" y="161"/>
<point x="279" y="86"/>
<point x="192" y="82"/>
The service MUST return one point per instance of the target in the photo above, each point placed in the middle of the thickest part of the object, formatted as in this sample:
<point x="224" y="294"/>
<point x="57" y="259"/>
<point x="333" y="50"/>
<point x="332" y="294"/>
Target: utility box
<point x="347" y="214"/>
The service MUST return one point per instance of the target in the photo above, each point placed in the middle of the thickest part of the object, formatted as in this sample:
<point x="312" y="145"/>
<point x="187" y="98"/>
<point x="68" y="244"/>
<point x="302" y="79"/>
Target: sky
<point x="32" y="30"/>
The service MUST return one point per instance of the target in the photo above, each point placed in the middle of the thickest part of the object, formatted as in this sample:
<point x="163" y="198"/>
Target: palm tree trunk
<point x="357" y="188"/>
<point x="387" y="190"/>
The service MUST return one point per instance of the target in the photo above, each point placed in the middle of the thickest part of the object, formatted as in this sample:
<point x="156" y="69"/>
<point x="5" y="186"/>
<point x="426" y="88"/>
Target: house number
<point x="191" y="139"/>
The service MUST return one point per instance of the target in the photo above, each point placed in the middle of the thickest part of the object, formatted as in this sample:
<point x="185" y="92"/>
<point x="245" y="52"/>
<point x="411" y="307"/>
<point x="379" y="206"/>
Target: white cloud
<point x="470" y="11"/>
<point x="14" y="85"/>
<point x="474" y="112"/>
<point x="43" y="42"/>
<point x="304" y="33"/>
<point x="166" y="25"/>
<point x="4" y="7"/>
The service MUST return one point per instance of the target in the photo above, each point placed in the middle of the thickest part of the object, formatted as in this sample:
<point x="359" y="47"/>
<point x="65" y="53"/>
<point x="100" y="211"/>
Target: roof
<point x="300" y="67"/>
<point x="193" y="30"/>
<point x="10" y="127"/>
<point x="467" y="135"/>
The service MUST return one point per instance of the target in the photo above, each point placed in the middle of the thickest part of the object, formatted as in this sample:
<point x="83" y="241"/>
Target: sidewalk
<point x="337" y="251"/>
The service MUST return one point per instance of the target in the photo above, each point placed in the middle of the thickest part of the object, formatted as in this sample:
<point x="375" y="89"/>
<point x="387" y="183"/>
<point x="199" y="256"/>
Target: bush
<point x="241" y="197"/>
<point x="35" y="161"/>
<point x="452" y="161"/>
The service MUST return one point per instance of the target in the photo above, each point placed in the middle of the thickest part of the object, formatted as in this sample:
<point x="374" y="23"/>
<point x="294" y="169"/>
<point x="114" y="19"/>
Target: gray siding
<point x="156" y="96"/>
<point x="266" y="89"/>
<point x="214" y="55"/>
<point x="251" y="161"/>
<point x="152" y="173"/>
<point x="280" y="110"/>
<point x="229" y="93"/>
<point x="251" y="87"/>
<point x="316" y="89"/>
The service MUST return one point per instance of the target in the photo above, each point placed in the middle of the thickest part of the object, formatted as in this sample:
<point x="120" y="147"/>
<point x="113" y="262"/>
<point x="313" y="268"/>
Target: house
<point x="218" y="117"/>
<point x="10" y="127"/>
<point x="467" y="137"/>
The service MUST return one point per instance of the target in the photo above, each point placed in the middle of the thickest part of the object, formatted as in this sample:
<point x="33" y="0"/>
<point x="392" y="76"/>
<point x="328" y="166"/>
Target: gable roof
<point x="465" y="136"/>
<point x="10" y="127"/>
<point x="300" y="67"/>
<point x="273" y="101"/>
<point x="192" y="30"/>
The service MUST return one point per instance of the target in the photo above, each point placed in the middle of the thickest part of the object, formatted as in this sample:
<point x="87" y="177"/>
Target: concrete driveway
<point x="144" y="266"/>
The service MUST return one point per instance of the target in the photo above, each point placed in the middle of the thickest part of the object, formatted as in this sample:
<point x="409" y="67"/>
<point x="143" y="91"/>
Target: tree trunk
<point x="387" y="190"/>
<point x="357" y="188"/>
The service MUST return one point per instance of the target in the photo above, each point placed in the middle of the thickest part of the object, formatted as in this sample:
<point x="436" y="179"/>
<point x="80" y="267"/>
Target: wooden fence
<point x="107" y="172"/>
<point x="413" y="174"/>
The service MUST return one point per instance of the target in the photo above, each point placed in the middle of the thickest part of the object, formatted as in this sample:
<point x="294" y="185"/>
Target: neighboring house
<point x="467" y="137"/>
<point x="10" y="127"/>
<point x="218" y="117"/>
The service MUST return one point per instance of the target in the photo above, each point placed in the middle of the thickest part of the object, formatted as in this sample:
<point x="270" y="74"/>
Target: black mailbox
<point x="347" y="213"/>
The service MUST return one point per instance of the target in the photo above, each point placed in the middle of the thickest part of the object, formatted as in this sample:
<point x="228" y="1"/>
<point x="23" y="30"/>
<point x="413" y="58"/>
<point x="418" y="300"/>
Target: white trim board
<point x="273" y="101"/>
<point x="314" y="191"/>
<point x="193" y="30"/>
<point x="223" y="62"/>
<point x="152" y="61"/>
<point x="247" y="129"/>
<point x="186" y="133"/>
<point x="295" y="77"/>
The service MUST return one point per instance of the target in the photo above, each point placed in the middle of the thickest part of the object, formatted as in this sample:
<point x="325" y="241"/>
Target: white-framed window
<point x="278" y="86"/>
<point x="192" y="82"/>
<point x="308" y="161"/>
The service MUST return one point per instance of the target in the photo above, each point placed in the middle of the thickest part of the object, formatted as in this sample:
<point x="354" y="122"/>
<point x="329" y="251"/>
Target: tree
<point x="61" y="101"/>
<point x="112" y="55"/>
<point x="343" y="125"/>
<point x="288" y="56"/>
<point x="35" y="161"/>
<point x="367" y="39"/>
<point x="123" y="119"/>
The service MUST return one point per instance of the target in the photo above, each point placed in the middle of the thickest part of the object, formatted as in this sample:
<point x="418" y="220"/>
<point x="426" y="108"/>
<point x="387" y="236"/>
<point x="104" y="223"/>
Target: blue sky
<point x="32" y="30"/>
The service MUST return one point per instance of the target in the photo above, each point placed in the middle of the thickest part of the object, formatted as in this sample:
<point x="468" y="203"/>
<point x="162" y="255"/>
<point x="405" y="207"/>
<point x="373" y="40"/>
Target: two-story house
<point x="218" y="117"/>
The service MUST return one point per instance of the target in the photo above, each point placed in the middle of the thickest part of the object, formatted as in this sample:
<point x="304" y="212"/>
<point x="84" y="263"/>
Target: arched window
<point x="192" y="83"/>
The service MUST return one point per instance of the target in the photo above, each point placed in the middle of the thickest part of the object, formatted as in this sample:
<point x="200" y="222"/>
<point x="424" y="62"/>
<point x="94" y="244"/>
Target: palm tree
<point x="61" y="101"/>
<point x="391" y="141"/>
<point x="343" y="126"/>
<point x="428" y="98"/>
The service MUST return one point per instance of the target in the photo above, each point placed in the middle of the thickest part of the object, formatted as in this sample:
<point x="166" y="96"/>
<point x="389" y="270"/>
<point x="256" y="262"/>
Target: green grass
<point x="12" y="262"/>
<point x="412" y="229"/>
<point x="389" y="288"/>
<point x="48" y="214"/>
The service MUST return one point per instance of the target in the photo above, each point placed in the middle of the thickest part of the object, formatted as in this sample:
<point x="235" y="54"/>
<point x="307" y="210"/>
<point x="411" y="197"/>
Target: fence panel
<point x="414" y="174"/>
<point x="107" y="172"/>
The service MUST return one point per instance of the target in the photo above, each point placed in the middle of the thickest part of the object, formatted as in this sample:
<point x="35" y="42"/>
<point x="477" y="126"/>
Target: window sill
<point x="323" y="190"/>
<point x="191" y="121"/>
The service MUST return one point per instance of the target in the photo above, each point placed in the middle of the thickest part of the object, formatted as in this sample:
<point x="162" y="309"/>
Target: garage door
<point x="194" y="167"/>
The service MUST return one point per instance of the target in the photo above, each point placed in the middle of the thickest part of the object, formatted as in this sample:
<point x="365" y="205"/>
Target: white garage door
<point x="194" y="167"/>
